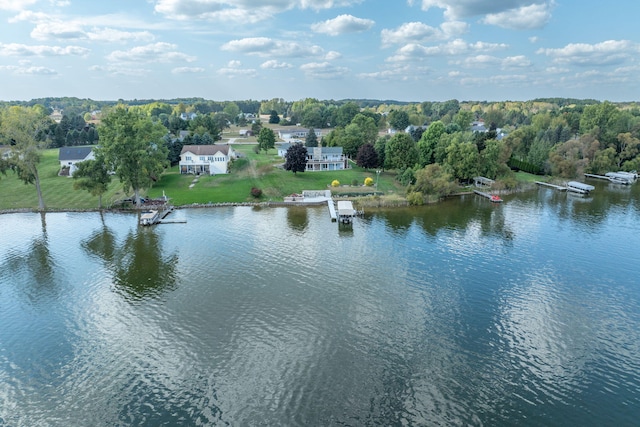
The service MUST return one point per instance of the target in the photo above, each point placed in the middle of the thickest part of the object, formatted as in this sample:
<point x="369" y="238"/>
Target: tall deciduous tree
<point x="93" y="176"/>
<point x="296" y="158"/>
<point x="399" y="119"/>
<point x="24" y="128"/>
<point x="367" y="157"/>
<point x="133" y="147"/>
<point x="266" y="139"/>
<point x="428" y="142"/>
<point x="401" y="152"/>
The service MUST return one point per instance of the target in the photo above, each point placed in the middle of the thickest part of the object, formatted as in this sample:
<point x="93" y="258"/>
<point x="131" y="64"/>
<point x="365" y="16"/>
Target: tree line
<point x="430" y="145"/>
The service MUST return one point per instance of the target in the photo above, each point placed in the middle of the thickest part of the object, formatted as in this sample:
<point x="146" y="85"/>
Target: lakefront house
<point x="206" y="159"/>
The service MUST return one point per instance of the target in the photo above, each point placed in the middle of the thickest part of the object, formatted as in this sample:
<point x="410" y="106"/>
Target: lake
<point x="460" y="313"/>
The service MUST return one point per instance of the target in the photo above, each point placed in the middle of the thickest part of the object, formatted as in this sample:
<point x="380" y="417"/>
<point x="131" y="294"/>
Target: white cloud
<point x="605" y="53"/>
<point x="265" y="47"/>
<point x="518" y="61"/>
<point x="234" y="72"/>
<point x="240" y="10"/>
<point x="73" y="30"/>
<point x="458" y="9"/>
<point x="42" y="71"/>
<point x="121" y="71"/>
<point x="396" y="73"/>
<point x="16" y="5"/>
<point x="234" y="64"/>
<point x="418" y="32"/>
<point x="155" y="52"/>
<point x="272" y="64"/>
<point x="323" y="70"/>
<point x="522" y="18"/>
<point x="414" y="51"/>
<point x="15" y="49"/>
<point x="187" y="70"/>
<point x="342" y="24"/>
<point x="333" y="55"/>
<point x="479" y="61"/>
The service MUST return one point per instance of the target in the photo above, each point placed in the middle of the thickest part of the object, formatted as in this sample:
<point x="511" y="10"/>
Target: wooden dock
<point x="493" y="198"/>
<point x="591" y="175"/>
<point x="555" y="187"/>
<point x="332" y="210"/>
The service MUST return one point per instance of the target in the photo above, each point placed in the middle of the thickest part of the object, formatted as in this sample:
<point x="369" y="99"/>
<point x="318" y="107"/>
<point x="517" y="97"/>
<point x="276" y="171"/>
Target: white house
<point x="206" y="159"/>
<point x="293" y="133"/>
<point x="69" y="157"/>
<point x="321" y="158"/>
<point x="326" y="159"/>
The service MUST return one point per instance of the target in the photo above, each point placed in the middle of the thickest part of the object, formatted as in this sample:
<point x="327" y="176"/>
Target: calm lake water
<point x="461" y="313"/>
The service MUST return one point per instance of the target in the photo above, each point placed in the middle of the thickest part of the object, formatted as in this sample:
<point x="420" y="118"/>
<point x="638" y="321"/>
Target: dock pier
<point x="492" y="197"/>
<point x="555" y="187"/>
<point x="332" y="210"/>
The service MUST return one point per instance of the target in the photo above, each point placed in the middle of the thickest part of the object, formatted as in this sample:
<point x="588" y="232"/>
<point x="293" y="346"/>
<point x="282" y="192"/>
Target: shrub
<point x="368" y="181"/>
<point x="256" y="192"/>
<point x="354" y="182"/>
<point x="335" y="183"/>
<point x="415" y="198"/>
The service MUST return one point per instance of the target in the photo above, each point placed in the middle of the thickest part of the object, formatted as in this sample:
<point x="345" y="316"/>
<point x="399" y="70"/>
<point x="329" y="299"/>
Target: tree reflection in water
<point x="137" y="264"/>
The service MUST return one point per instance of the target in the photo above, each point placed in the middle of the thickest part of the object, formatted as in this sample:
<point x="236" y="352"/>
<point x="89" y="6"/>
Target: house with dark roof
<point x="206" y="159"/>
<point x="69" y="157"/>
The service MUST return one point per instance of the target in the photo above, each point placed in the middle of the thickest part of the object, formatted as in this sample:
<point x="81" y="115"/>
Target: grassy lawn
<point x="57" y="191"/>
<point x="253" y="170"/>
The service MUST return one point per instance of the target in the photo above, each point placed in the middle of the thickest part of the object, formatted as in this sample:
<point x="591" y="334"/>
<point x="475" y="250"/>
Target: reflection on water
<point x="459" y="313"/>
<point x="138" y="265"/>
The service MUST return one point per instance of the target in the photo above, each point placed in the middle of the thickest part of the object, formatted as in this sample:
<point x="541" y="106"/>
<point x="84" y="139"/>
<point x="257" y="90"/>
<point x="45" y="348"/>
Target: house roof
<point x="206" y="150"/>
<point x="74" y="153"/>
<point x="330" y="150"/>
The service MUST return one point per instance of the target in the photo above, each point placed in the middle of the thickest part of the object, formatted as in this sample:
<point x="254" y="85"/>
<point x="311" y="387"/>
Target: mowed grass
<point x="252" y="170"/>
<point x="57" y="191"/>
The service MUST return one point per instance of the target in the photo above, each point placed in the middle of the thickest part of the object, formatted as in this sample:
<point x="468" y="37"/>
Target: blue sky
<point x="407" y="50"/>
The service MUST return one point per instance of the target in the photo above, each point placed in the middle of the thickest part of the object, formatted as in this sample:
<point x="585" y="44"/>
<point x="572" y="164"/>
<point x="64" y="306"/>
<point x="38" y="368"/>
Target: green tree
<point x="232" y="110"/>
<point x="462" y="160"/>
<point x="434" y="179"/>
<point x="398" y="119"/>
<point x="464" y="118"/>
<point x="312" y="139"/>
<point x="296" y="158"/>
<point x="24" y="128"/>
<point x="205" y="123"/>
<point x="93" y="176"/>
<point x="273" y="117"/>
<point x="266" y="139"/>
<point x="401" y="152"/>
<point x="428" y="142"/>
<point x="629" y="148"/>
<point x="346" y="113"/>
<point x="133" y="147"/>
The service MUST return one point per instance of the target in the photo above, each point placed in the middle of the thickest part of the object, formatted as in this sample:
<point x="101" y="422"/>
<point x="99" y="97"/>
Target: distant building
<point x="294" y="132"/>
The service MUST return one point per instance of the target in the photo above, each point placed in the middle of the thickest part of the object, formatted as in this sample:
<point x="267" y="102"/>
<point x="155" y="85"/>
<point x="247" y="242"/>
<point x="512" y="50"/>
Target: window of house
<point x="188" y="158"/>
<point x="210" y="158"/>
<point x="202" y="158"/>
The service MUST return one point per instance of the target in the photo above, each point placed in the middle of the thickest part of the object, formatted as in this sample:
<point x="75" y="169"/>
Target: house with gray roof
<point x="69" y="157"/>
<point x="206" y="159"/>
<point x="321" y="158"/>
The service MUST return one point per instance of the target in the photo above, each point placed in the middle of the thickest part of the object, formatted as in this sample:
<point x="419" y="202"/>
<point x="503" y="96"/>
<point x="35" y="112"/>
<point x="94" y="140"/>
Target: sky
<point x="404" y="50"/>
